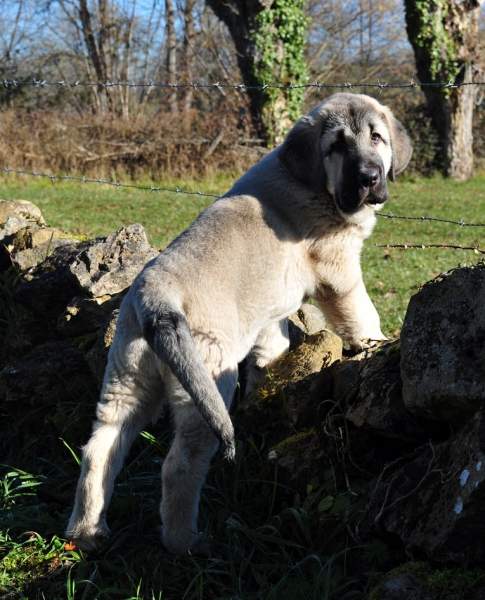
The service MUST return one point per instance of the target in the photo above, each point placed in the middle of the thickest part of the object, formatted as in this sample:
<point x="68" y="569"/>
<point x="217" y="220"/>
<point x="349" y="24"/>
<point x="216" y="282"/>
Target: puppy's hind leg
<point x="124" y="409"/>
<point x="186" y="465"/>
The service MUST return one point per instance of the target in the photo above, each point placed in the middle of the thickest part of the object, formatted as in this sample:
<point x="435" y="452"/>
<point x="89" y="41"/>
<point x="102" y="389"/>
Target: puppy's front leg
<point x="272" y="342"/>
<point x="352" y="315"/>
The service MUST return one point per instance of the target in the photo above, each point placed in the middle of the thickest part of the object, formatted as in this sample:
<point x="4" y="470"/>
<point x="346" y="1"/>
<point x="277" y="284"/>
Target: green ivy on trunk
<point x="280" y="38"/>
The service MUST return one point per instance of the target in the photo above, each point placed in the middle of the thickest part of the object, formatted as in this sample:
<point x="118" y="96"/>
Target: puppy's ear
<point x="402" y="148"/>
<point x="300" y="154"/>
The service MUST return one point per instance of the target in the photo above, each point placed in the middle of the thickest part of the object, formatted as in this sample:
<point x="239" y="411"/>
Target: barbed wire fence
<point x="236" y="86"/>
<point x="379" y="86"/>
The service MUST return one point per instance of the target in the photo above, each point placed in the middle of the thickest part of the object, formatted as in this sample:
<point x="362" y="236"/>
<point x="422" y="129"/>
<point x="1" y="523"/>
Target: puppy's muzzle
<point x="372" y="183"/>
<point x="369" y="175"/>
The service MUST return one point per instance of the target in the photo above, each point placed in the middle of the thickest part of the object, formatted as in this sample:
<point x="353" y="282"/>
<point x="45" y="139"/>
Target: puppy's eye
<point x="376" y="137"/>
<point x="337" y="146"/>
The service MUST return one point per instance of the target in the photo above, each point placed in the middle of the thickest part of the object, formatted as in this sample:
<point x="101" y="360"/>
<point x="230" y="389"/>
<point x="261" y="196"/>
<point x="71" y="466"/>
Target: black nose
<point x="369" y="176"/>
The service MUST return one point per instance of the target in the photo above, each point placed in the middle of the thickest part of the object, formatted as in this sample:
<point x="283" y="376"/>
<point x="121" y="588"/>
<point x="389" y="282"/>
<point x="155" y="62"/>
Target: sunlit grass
<point x="261" y="538"/>
<point x="391" y="275"/>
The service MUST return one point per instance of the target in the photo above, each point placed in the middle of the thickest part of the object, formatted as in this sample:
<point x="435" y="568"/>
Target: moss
<point x="85" y="342"/>
<point x="437" y="583"/>
<point x="71" y="236"/>
<point x="393" y="349"/>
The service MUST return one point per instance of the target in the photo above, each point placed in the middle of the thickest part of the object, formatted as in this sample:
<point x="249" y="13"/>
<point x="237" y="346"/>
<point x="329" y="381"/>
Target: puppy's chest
<point x="329" y="259"/>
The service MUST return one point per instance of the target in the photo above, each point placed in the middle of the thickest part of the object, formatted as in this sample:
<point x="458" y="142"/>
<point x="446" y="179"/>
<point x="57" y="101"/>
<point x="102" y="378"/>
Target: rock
<point x="32" y="257"/>
<point x="299" y="380"/>
<point x="47" y="288"/>
<point x="22" y="209"/>
<point x="110" y="264"/>
<point x="298" y="458"/>
<point x="26" y="239"/>
<point x="443" y="347"/>
<point x="33" y="235"/>
<point x="33" y="388"/>
<point x="97" y="357"/>
<point x="86" y="315"/>
<point x="21" y="338"/>
<point x="11" y="227"/>
<point x="96" y="268"/>
<point x="378" y="407"/>
<point x="346" y="376"/>
<point x="307" y="320"/>
<point x="436" y="502"/>
<point x="405" y="586"/>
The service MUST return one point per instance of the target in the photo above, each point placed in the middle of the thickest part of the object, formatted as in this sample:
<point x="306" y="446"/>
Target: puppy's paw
<point x="88" y="539"/>
<point x="365" y="343"/>
<point x="229" y="441"/>
<point x="179" y="542"/>
<point x="373" y="343"/>
<point x="230" y="450"/>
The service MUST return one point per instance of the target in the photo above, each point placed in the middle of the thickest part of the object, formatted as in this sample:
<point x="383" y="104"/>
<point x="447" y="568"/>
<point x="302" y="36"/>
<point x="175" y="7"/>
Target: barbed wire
<point x="146" y="188"/>
<point x="43" y="83"/>
<point x="423" y="219"/>
<point x="475" y="249"/>
<point x="176" y="190"/>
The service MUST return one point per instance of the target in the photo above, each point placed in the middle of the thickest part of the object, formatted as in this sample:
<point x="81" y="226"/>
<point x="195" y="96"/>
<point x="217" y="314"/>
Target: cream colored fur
<point x="292" y="228"/>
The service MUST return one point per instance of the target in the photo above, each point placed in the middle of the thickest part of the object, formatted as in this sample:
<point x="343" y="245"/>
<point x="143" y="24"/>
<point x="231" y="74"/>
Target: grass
<point x="263" y="540"/>
<point x="391" y="275"/>
<point x="262" y="545"/>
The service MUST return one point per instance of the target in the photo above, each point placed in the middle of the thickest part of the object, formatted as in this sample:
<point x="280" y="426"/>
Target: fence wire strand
<point x="67" y="178"/>
<point x="43" y="83"/>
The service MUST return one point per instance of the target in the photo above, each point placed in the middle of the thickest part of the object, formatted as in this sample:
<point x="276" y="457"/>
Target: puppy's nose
<point x="369" y="176"/>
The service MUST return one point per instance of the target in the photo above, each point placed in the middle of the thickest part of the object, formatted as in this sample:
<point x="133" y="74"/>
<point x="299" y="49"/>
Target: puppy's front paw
<point x="363" y="344"/>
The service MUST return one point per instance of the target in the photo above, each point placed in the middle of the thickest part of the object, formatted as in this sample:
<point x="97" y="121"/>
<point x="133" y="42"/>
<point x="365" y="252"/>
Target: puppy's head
<point x="346" y="146"/>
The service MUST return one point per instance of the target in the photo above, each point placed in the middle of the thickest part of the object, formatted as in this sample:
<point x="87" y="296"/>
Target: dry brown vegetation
<point x="147" y="145"/>
<point x="155" y="145"/>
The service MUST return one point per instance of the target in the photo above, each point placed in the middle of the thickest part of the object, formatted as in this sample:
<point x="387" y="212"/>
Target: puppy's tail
<point x="168" y="334"/>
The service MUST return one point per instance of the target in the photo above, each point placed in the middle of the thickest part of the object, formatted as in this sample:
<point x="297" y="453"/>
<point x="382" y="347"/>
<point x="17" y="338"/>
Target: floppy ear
<point x="402" y="148"/>
<point x="300" y="154"/>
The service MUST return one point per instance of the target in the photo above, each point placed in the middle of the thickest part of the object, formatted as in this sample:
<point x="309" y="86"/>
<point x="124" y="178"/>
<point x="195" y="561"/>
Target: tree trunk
<point x="188" y="53"/>
<point x="444" y="37"/>
<point x="96" y="53"/>
<point x="240" y="18"/>
<point x="171" y="55"/>
<point x="269" y="36"/>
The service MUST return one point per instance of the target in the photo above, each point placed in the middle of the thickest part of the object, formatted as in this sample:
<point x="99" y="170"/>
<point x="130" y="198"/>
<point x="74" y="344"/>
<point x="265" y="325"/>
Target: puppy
<point x="291" y="228"/>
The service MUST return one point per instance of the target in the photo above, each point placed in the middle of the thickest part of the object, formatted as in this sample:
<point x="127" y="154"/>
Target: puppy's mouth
<point x="352" y="202"/>
<point x="373" y="196"/>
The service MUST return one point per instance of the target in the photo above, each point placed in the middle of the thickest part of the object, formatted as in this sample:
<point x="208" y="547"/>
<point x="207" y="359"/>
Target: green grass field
<point x="391" y="275"/>
<point x="264" y="543"/>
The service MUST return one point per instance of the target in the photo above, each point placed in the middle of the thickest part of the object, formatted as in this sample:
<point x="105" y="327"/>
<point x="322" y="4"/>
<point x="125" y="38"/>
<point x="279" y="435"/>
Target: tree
<point x="171" y="54"/>
<point x="188" y="52"/>
<point x="359" y="40"/>
<point x="269" y="36"/>
<point x="444" y="37"/>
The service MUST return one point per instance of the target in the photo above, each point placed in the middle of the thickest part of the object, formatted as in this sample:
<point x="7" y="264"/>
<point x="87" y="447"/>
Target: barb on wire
<point x="176" y="190"/>
<point x="475" y="249"/>
<point x="236" y="86"/>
